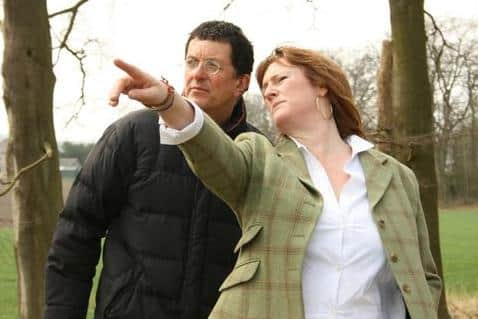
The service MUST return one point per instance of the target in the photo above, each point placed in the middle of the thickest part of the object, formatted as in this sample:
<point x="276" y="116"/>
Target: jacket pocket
<point x="251" y="232"/>
<point x="241" y="273"/>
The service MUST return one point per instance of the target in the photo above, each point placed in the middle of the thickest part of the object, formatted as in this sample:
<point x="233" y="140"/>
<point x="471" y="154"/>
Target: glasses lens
<point x="211" y="67"/>
<point x="191" y="63"/>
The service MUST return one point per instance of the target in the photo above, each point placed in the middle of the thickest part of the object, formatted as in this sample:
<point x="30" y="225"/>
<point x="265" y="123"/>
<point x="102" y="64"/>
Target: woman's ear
<point x="322" y="91"/>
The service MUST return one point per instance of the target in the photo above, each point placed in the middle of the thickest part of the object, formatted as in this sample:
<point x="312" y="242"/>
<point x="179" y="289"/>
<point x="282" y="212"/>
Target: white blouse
<point x="345" y="271"/>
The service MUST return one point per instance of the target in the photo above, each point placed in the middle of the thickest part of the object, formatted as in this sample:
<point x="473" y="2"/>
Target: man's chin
<point x="198" y="99"/>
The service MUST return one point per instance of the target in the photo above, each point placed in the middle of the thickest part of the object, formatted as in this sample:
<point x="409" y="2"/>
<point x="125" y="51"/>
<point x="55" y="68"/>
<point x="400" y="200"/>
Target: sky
<point x="152" y="34"/>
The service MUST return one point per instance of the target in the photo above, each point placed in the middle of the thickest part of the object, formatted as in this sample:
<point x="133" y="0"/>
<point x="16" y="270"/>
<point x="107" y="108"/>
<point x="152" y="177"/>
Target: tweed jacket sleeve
<point x="223" y="165"/>
<point x="431" y="272"/>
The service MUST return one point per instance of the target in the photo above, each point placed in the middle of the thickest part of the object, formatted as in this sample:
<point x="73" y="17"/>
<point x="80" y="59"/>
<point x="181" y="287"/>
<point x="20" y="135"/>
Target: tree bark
<point x="414" y="121"/>
<point x="384" y="98"/>
<point x="28" y="96"/>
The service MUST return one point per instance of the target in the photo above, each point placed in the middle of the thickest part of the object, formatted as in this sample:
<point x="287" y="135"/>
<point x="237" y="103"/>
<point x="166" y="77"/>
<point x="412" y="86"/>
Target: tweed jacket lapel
<point x="378" y="175"/>
<point x="288" y="150"/>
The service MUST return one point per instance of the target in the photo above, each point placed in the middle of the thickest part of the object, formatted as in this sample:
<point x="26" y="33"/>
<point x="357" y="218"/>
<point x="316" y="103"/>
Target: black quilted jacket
<point x="168" y="241"/>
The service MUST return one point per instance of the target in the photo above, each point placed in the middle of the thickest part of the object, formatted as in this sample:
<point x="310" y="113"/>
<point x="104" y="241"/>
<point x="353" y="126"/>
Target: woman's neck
<point x="323" y="140"/>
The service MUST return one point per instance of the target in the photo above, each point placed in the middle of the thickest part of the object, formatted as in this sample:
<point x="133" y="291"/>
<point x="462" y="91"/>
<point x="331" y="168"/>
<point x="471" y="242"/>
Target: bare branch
<point x="437" y="29"/>
<point x="69" y="10"/>
<point x="74" y="11"/>
<point x="48" y="154"/>
<point x="228" y="5"/>
<point x="80" y="56"/>
<point x="315" y="8"/>
<point x="68" y="30"/>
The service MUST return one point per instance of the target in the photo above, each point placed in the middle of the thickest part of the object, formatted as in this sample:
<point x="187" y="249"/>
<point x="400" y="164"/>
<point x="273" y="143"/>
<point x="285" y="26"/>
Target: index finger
<point x="133" y="71"/>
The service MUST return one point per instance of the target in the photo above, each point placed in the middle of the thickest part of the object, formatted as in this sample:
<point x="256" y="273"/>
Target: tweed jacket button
<point x="406" y="289"/>
<point x="393" y="257"/>
<point x="381" y="223"/>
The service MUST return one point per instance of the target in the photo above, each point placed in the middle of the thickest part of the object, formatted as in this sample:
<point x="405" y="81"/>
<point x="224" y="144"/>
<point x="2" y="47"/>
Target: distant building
<point x="69" y="166"/>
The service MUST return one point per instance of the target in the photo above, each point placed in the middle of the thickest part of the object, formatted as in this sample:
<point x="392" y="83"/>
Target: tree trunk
<point x="414" y="121"/>
<point x="28" y="96"/>
<point x="384" y="98"/>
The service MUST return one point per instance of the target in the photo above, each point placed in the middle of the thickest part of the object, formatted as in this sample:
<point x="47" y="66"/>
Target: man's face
<point x="214" y="89"/>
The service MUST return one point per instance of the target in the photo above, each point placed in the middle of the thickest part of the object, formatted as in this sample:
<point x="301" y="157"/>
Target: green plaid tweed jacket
<point x="272" y="195"/>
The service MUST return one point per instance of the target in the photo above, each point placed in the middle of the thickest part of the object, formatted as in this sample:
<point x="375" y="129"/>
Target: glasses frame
<point x="204" y="64"/>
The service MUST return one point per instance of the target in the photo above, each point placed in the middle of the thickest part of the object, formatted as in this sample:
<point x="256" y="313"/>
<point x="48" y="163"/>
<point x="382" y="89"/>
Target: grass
<point x="8" y="284"/>
<point x="8" y="275"/>
<point x="459" y="245"/>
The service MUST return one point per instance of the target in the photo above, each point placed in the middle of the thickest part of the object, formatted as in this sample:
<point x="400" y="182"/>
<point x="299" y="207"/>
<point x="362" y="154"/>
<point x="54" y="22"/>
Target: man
<point x="169" y="241"/>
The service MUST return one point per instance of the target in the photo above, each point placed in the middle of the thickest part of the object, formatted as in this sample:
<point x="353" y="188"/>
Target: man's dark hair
<point x="242" y="54"/>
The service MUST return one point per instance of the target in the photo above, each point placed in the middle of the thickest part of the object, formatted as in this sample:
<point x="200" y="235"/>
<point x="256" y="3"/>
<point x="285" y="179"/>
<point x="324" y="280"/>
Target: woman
<point x="331" y="227"/>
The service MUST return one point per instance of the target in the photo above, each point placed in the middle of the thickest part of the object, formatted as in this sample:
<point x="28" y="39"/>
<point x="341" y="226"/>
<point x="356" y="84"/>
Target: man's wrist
<point x="168" y="100"/>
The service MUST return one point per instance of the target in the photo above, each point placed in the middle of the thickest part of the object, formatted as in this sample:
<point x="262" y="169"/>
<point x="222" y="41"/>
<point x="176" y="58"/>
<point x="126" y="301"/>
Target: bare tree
<point x="362" y="72"/>
<point x="453" y="63"/>
<point x="412" y="99"/>
<point x="384" y="134"/>
<point x="361" y="69"/>
<point x="32" y="156"/>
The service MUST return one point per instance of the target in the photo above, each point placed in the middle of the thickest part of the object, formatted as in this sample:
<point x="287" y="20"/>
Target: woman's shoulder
<point x="393" y="162"/>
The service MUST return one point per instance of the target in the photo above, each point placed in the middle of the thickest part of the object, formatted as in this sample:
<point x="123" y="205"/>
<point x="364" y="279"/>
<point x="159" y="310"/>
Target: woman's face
<point x="289" y="96"/>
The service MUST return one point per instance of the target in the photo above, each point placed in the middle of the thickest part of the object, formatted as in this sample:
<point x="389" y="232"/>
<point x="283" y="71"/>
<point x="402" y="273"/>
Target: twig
<point x="79" y="55"/>
<point x="228" y="5"/>
<point x="437" y="29"/>
<point x="48" y="154"/>
<point x="72" y="9"/>
<point x="315" y="9"/>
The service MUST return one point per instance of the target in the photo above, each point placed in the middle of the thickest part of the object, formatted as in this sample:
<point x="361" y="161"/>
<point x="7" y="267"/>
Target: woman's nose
<point x="270" y="93"/>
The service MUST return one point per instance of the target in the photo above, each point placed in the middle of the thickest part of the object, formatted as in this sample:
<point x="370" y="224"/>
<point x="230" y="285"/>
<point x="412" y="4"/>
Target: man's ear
<point x="322" y="91"/>
<point x="242" y="84"/>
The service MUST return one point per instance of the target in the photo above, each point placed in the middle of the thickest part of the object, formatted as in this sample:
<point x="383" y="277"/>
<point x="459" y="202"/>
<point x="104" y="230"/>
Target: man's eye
<point x="282" y="78"/>
<point x="212" y="66"/>
<point x="192" y="63"/>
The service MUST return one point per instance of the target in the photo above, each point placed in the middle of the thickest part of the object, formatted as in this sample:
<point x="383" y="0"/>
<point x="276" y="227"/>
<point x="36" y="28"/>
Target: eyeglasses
<point x="211" y="67"/>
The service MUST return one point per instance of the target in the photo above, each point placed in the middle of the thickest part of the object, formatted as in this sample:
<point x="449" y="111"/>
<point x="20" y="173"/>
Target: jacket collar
<point x="237" y="122"/>
<point x="288" y="150"/>
<point x="378" y="174"/>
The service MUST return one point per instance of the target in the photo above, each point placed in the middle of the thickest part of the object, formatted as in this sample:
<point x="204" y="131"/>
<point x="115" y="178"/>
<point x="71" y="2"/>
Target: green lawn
<point x="459" y="247"/>
<point x="459" y="244"/>
<point x="8" y="284"/>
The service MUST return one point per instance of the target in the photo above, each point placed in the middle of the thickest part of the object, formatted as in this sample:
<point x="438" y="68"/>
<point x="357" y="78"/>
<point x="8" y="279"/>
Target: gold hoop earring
<point x="323" y="113"/>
